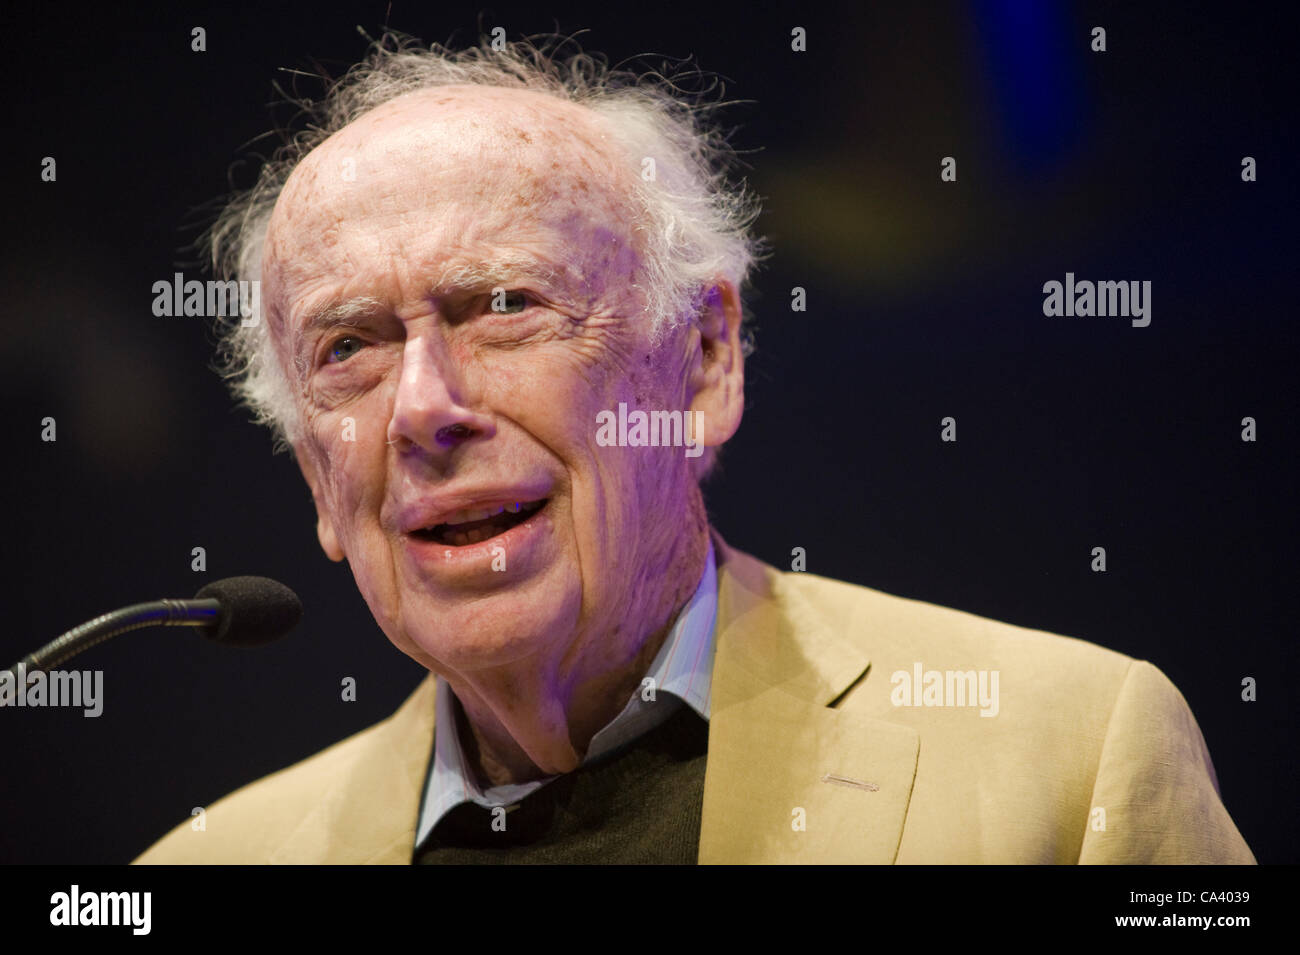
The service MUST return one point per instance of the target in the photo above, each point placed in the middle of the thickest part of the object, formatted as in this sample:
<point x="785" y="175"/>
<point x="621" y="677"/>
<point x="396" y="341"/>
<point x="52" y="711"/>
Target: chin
<point x="489" y="632"/>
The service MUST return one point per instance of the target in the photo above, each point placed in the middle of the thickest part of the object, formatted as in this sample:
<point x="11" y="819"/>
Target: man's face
<point x="423" y="406"/>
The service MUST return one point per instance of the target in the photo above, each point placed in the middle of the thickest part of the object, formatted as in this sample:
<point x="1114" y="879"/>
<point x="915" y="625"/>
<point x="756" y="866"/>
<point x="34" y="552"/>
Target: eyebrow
<point x="347" y="312"/>
<point x="500" y="271"/>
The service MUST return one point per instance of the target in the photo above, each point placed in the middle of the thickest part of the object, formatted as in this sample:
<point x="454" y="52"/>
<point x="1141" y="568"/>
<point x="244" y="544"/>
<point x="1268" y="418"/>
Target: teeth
<point x="462" y="538"/>
<point x="452" y="534"/>
<point x="481" y="514"/>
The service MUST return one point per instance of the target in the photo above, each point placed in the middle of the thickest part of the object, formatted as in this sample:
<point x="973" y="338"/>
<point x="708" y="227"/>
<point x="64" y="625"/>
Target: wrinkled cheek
<point x="341" y="467"/>
<point x="619" y="502"/>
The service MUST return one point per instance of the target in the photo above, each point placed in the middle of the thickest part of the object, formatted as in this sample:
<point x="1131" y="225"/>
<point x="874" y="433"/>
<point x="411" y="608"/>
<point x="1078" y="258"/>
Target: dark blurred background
<point x="924" y="300"/>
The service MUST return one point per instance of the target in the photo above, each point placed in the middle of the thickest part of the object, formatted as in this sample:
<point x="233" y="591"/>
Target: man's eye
<point x="344" y="348"/>
<point x="508" y="303"/>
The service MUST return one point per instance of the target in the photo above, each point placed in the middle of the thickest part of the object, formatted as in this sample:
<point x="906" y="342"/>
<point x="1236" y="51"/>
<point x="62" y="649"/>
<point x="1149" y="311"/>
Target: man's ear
<point x="329" y="541"/>
<point x="716" y="381"/>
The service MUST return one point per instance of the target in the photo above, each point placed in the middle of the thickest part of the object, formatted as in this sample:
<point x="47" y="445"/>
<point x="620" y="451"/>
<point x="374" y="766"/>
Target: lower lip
<point x="515" y="545"/>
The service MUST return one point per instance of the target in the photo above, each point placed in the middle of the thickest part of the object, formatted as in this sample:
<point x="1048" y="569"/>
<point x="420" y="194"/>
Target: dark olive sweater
<point x="639" y="804"/>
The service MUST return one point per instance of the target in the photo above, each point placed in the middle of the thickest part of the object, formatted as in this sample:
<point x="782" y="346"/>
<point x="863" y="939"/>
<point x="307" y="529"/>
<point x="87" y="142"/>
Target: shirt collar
<point x="682" y="672"/>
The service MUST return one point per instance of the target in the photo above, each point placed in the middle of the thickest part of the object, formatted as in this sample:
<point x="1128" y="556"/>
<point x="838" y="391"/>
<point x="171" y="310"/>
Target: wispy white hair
<point x="696" y="220"/>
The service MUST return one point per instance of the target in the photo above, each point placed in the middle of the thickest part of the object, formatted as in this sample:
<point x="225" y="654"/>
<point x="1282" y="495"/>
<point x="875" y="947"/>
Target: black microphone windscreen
<point x="254" y="610"/>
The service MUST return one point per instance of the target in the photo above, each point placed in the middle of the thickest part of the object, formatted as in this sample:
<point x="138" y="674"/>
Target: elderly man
<point x="479" y="262"/>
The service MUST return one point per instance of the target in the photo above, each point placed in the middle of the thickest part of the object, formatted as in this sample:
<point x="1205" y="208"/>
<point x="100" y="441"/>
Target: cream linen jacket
<point x="1092" y="757"/>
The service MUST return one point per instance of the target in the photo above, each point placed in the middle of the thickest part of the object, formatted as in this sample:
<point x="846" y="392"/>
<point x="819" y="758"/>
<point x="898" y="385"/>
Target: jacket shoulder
<point x="892" y="627"/>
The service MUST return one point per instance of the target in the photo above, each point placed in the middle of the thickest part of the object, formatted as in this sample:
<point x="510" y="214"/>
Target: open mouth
<point x="474" y="526"/>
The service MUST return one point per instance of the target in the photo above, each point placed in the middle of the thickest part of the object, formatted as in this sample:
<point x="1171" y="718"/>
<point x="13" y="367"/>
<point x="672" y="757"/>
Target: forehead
<point x="439" y="171"/>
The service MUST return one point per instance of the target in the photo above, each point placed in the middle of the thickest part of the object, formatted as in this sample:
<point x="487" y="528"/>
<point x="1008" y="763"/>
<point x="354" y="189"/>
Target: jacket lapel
<point x="788" y="778"/>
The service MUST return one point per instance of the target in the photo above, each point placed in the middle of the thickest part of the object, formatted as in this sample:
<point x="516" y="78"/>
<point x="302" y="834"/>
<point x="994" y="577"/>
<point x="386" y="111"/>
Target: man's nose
<point x="427" y="409"/>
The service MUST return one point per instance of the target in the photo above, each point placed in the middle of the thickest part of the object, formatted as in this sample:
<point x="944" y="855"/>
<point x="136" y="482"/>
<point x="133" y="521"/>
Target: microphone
<point x="254" y="610"/>
<point x="236" y="611"/>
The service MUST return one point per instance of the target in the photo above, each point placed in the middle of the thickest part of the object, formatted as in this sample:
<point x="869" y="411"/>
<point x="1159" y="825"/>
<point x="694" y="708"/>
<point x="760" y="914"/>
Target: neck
<point x="526" y="721"/>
